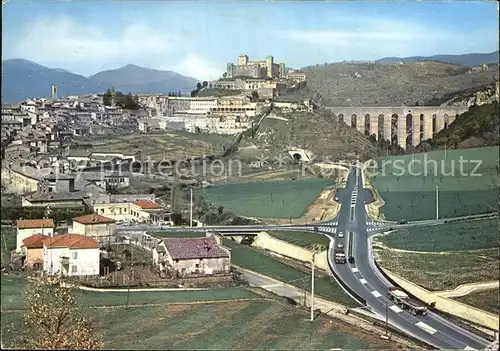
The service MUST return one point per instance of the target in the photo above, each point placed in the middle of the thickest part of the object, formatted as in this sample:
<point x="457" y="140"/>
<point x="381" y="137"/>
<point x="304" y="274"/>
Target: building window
<point x="75" y="255"/>
<point x="197" y="266"/>
<point x="176" y="260"/>
<point x="74" y="268"/>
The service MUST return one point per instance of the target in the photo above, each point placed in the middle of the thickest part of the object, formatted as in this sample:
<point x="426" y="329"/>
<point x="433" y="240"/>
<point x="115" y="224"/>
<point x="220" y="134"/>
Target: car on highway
<point x="341" y="234"/>
<point x="340" y="246"/>
<point x="402" y="221"/>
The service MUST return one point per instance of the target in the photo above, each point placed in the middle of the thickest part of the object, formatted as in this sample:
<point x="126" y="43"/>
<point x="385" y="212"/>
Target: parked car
<point x="340" y="246"/>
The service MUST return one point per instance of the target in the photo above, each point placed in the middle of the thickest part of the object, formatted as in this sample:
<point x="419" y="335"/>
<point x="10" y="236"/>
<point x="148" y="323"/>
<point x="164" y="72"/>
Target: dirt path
<point x="466" y="289"/>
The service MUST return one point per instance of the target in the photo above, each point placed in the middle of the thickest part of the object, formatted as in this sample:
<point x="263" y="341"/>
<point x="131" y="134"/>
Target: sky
<point x="199" y="38"/>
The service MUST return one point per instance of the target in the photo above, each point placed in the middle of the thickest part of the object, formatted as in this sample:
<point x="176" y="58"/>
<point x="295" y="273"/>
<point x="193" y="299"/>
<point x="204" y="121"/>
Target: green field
<point x="258" y="262"/>
<point x="462" y="191"/>
<point x="240" y="325"/>
<point x="268" y="199"/>
<point x="441" y="271"/>
<point x="486" y="300"/>
<point x="471" y="235"/>
<point x="303" y="239"/>
<point x="12" y="299"/>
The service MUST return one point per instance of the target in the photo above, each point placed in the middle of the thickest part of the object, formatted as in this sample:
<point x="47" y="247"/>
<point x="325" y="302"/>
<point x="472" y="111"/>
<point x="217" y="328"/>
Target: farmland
<point x="173" y="145"/>
<point x="486" y="300"/>
<point x="441" y="271"/>
<point x="408" y="183"/>
<point x="470" y="235"/>
<point x="302" y="239"/>
<point x="268" y="199"/>
<point x="256" y="261"/>
<point x="253" y="325"/>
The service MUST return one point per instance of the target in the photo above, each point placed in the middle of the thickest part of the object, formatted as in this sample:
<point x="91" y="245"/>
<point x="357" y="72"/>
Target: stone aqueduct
<point x="406" y="126"/>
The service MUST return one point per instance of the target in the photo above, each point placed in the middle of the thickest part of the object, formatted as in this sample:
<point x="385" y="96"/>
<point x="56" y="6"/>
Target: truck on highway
<point x="399" y="297"/>
<point x="339" y="256"/>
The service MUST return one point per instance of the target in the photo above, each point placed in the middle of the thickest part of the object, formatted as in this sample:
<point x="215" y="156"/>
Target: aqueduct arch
<point x="404" y="125"/>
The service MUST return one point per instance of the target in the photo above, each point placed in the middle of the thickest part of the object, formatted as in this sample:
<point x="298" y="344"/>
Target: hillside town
<point x="181" y="201"/>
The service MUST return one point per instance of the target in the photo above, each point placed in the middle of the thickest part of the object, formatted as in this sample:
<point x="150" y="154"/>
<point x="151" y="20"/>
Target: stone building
<point x="256" y="69"/>
<point x="185" y="256"/>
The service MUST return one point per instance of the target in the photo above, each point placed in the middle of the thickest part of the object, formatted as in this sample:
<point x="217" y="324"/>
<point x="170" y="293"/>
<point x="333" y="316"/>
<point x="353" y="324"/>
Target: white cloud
<point x="196" y="67"/>
<point x="57" y="40"/>
<point x="361" y="29"/>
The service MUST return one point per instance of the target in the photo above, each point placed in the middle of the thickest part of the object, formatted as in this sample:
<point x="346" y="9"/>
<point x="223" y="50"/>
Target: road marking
<point x="396" y="309"/>
<point x="363" y="281"/>
<point x="334" y="230"/>
<point x="426" y="327"/>
<point x="376" y="293"/>
<point x="354" y="269"/>
<point x="469" y="348"/>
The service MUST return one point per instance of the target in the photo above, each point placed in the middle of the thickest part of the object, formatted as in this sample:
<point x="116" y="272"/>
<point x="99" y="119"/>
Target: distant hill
<point x="378" y="84"/>
<point x="475" y="128"/>
<point x="135" y="79"/>
<point x="22" y="79"/>
<point x="469" y="60"/>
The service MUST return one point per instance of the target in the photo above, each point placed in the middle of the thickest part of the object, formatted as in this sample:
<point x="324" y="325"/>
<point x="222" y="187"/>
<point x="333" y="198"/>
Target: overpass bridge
<point x="404" y="125"/>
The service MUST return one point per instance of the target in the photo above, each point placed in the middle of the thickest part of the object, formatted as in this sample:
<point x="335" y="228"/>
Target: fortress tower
<point x="53" y="90"/>
<point x="269" y="66"/>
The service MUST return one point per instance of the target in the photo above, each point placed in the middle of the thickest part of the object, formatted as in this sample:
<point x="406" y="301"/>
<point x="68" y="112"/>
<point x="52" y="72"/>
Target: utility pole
<point x="312" y="284"/>
<point x="437" y="201"/>
<point x="191" y="208"/>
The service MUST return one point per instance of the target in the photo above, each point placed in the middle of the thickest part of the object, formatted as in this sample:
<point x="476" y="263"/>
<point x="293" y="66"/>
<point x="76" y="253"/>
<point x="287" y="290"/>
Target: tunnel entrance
<point x="297" y="157"/>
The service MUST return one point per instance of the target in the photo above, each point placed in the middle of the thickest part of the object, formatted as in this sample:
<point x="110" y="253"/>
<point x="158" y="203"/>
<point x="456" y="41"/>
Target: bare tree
<point x="56" y="318"/>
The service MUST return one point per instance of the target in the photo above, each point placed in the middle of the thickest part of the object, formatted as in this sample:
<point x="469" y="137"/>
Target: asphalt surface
<point x="362" y="276"/>
<point x="366" y="281"/>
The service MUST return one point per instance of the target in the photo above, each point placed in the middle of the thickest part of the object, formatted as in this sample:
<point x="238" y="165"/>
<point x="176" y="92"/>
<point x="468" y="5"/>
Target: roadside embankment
<point x="375" y="208"/>
<point x="447" y="305"/>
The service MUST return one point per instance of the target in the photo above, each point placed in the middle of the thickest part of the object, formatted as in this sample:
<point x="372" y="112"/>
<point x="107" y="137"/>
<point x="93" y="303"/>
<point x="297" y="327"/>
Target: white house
<point x="71" y="255"/>
<point x="94" y="225"/>
<point x="29" y="227"/>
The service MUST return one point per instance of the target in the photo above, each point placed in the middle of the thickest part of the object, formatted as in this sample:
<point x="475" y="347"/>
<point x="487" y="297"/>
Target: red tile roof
<point x="93" y="218"/>
<point x="192" y="248"/>
<point x="73" y="241"/>
<point x="34" y="241"/>
<point x="147" y="205"/>
<point x="35" y="223"/>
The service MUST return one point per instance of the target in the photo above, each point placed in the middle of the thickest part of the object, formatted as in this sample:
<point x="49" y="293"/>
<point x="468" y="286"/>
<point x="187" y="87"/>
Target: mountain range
<point x="22" y="79"/>
<point x="468" y="60"/>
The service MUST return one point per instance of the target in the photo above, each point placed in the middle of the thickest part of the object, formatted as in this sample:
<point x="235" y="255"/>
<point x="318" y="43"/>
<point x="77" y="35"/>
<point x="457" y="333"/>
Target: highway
<point x="368" y="283"/>
<point x="362" y="277"/>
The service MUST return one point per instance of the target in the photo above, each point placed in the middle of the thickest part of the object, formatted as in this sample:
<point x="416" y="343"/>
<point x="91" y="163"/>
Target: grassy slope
<point x="260" y="263"/>
<point x="413" y="197"/>
<point x="268" y="199"/>
<point x="302" y="239"/>
<point x="486" y="300"/>
<point x="473" y="235"/>
<point x="232" y="325"/>
<point x="442" y="271"/>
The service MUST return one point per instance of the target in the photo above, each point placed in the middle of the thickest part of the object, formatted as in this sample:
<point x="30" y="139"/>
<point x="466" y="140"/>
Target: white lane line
<point x="376" y="293"/>
<point x="426" y="327"/>
<point x="469" y="348"/>
<point x="396" y="309"/>
<point x="354" y="269"/>
<point x="334" y="230"/>
<point x="363" y="281"/>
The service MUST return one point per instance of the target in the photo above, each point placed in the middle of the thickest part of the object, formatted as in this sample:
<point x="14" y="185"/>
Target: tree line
<point x="129" y="101"/>
<point x="199" y="86"/>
